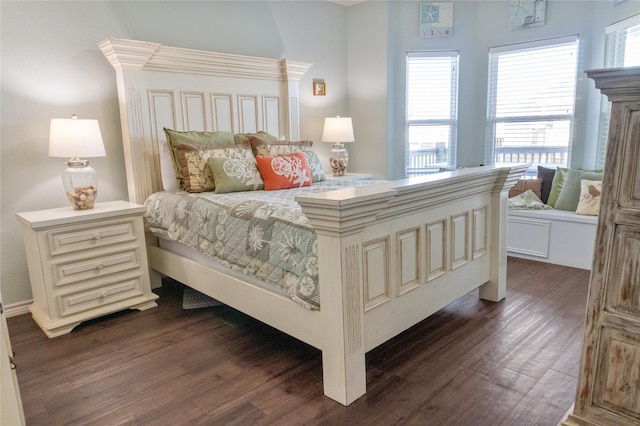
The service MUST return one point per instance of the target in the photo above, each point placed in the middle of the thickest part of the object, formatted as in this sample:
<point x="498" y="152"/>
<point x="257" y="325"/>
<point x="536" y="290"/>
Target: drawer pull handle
<point x="99" y="266"/>
<point x="97" y="236"/>
<point x="104" y="294"/>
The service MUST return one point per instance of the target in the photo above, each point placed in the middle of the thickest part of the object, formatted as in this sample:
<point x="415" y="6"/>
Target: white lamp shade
<point x="72" y="137"/>
<point x="338" y="129"/>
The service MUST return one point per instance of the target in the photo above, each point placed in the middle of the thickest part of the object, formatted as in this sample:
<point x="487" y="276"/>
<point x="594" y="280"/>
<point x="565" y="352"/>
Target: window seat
<point x="553" y="236"/>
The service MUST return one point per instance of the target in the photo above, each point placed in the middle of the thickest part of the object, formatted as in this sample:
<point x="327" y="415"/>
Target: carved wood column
<point x="339" y="224"/>
<point x="294" y="71"/>
<point x="496" y="289"/>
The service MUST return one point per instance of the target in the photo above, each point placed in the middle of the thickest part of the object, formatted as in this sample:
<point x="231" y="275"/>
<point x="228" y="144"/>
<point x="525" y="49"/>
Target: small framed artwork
<point x="436" y="20"/>
<point x="526" y="13"/>
<point x="319" y="88"/>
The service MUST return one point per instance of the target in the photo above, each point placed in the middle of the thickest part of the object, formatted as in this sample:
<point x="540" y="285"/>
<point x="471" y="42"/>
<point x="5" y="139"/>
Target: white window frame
<point x="493" y="120"/>
<point x="614" y="57"/>
<point x="430" y="162"/>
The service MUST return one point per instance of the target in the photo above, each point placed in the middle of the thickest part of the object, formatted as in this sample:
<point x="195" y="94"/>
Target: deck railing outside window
<point x="425" y="161"/>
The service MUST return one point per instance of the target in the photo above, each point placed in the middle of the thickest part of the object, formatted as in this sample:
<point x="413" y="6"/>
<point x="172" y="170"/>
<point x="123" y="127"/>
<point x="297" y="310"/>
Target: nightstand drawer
<point x="73" y="303"/>
<point x="85" y="269"/>
<point x="99" y="234"/>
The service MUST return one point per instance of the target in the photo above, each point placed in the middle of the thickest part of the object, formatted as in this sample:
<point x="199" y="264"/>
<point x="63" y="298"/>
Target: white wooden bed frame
<point x="389" y="254"/>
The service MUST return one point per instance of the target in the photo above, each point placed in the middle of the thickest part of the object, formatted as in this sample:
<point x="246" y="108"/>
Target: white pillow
<point x="590" y="194"/>
<point x="167" y="171"/>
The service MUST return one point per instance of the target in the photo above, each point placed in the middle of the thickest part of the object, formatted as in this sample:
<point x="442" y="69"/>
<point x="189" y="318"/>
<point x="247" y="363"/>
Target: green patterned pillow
<point x="235" y="174"/>
<point x="528" y="200"/>
<point x="202" y="139"/>
<point x="194" y="167"/>
<point x="244" y="137"/>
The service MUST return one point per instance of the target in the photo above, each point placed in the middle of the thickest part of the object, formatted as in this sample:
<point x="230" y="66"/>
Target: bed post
<point x="294" y="71"/>
<point x="339" y="225"/>
<point x="496" y="288"/>
<point x="128" y="58"/>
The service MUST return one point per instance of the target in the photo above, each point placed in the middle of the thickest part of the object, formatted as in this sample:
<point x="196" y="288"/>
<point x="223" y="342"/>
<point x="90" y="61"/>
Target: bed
<point x="389" y="254"/>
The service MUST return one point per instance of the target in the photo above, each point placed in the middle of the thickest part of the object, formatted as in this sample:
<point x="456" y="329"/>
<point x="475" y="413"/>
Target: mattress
<point x="261" y="234"/>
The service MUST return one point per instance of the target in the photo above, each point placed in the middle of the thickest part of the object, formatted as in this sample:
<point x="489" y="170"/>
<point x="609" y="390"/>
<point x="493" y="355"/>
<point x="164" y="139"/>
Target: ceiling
<point x="347" y="2"/>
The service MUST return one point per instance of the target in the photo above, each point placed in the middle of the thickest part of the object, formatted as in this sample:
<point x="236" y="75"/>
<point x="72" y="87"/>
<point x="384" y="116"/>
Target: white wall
<point x="51" y="68"/>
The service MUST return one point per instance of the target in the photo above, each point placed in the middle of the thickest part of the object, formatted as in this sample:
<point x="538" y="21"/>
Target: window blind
<point x="622" y="49"/>
<point x="431" y="111"/>
<point x="530" y="102"/>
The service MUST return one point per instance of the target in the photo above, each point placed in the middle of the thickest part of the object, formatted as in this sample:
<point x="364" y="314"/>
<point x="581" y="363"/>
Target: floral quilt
<point x="260" y="233"/>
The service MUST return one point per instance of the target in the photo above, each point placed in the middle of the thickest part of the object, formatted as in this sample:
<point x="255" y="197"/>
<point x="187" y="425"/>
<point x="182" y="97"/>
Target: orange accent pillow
<point x="284" y="171"/>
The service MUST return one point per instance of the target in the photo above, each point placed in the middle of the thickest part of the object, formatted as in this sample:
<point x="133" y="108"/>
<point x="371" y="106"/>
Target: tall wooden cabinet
<point x="609" y="383"/>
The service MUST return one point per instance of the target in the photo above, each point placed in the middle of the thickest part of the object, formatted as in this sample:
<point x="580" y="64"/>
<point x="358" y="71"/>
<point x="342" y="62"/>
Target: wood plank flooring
<point x="472" y="363"/>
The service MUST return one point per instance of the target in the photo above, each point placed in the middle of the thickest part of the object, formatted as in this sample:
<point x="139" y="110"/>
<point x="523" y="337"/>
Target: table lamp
<point x="74" y="138"/>
<point x="338" y="130"/>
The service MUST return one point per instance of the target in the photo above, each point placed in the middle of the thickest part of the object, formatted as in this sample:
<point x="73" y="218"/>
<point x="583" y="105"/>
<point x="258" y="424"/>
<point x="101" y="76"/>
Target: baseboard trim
<point x="564" y="420"/>
<point x="15" y="309"/>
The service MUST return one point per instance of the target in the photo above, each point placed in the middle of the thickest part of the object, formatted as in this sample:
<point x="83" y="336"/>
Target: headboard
<point x="187" y="89"/>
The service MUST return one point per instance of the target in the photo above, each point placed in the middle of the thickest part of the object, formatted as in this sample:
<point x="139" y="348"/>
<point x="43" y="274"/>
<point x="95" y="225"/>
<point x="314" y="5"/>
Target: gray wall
<point x="51" y="68"/>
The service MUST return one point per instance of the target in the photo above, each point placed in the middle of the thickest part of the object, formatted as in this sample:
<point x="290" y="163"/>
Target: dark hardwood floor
<point x="473" y="363"/>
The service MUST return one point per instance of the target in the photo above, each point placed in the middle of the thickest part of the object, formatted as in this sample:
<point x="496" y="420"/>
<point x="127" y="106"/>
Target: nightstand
<point x="362" y="176"/>
<point x="86" y="263"/>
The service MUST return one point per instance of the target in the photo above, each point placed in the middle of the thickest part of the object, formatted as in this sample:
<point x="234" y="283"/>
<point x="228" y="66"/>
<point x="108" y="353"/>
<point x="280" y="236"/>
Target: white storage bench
<point x="553" y="236"/>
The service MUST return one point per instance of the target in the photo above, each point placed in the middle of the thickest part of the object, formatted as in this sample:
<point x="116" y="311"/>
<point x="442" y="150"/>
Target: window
<point x="530" y="102"/>
<point x="622" y="49"/>
<point x="432" y="111"/>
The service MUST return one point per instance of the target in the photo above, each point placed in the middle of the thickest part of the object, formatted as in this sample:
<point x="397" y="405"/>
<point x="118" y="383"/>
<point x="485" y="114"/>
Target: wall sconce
<point x="74" y="138"/>
<point x="338" y="130"/>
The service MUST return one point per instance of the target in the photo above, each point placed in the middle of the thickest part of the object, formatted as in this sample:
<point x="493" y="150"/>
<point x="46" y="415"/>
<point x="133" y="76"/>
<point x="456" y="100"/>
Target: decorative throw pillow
<point x="527" y="201"/>
<point x="589" y="203"/>
<point x="284" y="171"/>
<point x="193" y="174"/>
<point x="556" y="185"/>
<point x="235" y="174"/>
<point x="244" y="137"/>
<point x="262" y="146"/>
<point x="523" y="185"/>
<point x="546" y="174"/>
<point x="212" y="139"/>
<point x="204" y="139"/>
<point x="570" y="194"/>
<point x="194" y="167"/>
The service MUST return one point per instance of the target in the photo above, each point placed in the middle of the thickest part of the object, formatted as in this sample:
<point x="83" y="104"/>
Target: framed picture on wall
<point x="526" y="13"/>
<point x="436" y="20"/>
<point x="319" y="88"/>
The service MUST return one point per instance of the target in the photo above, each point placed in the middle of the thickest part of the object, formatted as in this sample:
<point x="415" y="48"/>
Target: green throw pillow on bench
<point x="570" y="193"/>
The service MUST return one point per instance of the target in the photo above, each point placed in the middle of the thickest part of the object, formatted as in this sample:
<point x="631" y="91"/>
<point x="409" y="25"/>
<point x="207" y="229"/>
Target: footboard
<point x="391" y="254"/>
